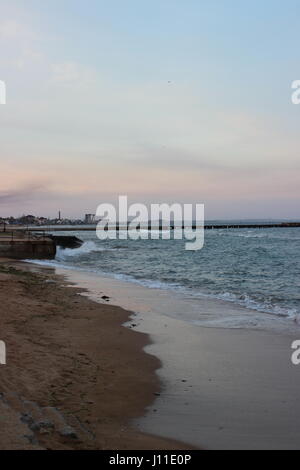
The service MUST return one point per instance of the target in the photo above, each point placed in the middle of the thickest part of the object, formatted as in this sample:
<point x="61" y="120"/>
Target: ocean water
<point x="258" y="269"/>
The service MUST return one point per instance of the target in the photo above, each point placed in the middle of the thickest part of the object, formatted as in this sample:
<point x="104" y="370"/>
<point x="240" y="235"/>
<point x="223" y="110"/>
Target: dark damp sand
<point x="75" y="376"/>
<point x="222" y="388"/>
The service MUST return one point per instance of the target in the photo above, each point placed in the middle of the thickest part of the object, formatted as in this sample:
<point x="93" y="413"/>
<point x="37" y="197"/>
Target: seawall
<point x="32" y="249"/>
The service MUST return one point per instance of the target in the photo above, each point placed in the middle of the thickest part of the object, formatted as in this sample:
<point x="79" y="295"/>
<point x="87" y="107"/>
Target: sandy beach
<point x="75" y="376"/>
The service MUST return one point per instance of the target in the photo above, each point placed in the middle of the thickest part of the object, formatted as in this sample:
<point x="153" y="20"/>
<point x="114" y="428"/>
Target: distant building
<point x="89" y="218"/>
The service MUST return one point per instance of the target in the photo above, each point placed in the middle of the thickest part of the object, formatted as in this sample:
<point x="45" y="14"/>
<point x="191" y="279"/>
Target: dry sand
<point x="75" y="376"/>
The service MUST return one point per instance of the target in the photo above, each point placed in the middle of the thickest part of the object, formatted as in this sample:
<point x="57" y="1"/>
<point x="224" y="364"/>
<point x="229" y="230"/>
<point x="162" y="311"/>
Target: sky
<point x="163" y="101"/>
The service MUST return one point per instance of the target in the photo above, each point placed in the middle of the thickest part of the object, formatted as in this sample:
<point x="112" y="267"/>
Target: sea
<point x="256" y="269"/>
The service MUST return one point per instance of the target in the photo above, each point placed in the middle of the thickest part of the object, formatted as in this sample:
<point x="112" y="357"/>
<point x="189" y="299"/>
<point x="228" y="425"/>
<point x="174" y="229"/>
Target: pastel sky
<point x="162" y="100"/>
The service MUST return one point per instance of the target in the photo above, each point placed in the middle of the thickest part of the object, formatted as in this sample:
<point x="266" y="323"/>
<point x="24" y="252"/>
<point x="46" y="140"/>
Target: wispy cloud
<point x="72" y="73"/>
<point x="11" y="29"/>
<point x="22" y="194"/>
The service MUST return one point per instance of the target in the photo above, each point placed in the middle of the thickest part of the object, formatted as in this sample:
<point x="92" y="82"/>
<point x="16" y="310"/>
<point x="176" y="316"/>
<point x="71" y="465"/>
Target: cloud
<point x="21" y="195"/>
<point x="20" y="44"/>
<point x="12" y="29"/>
<point x="72" y="73"/>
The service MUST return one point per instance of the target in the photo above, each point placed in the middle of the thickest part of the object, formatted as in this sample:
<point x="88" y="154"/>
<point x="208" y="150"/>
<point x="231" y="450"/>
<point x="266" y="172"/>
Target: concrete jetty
<point x="24" y="245"/>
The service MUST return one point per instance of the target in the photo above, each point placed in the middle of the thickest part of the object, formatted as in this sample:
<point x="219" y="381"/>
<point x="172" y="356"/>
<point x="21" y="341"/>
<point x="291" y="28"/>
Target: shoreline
<point x="203" y="310"/>
<point x="75" y="378"/>
<point x="222" y="388"/>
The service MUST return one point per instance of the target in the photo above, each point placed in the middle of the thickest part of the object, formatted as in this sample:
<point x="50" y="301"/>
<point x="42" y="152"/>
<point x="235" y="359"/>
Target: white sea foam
<point x="85" y="248"/>
<point x="247" y="301"/>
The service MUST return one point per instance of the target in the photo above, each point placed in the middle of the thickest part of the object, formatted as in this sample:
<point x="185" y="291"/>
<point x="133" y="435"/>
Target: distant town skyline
<point x="164" y="101"/>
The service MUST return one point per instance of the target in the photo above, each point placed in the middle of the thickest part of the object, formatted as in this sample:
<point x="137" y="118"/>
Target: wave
<point x="86" y="248"/>
<point x="69" y="254"/>
<point x="252" y="234"/>
<point x="150" y="284"/>
<point x="249" y="302"/>
<point x="243" y="300"/>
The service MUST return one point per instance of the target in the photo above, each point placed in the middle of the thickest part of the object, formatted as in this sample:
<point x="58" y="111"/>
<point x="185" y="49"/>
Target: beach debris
<point x="60" y="423"/>
<point x="34" y="418"/>
<point x="297" y="319"/>
<point x="31" y="439"/>
<point x="68" y="432"/>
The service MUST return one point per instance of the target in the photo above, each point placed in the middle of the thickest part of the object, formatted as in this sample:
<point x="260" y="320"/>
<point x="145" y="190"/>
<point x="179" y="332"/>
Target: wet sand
<point x="222" y="388"/>
<point x="75" y="377"/>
